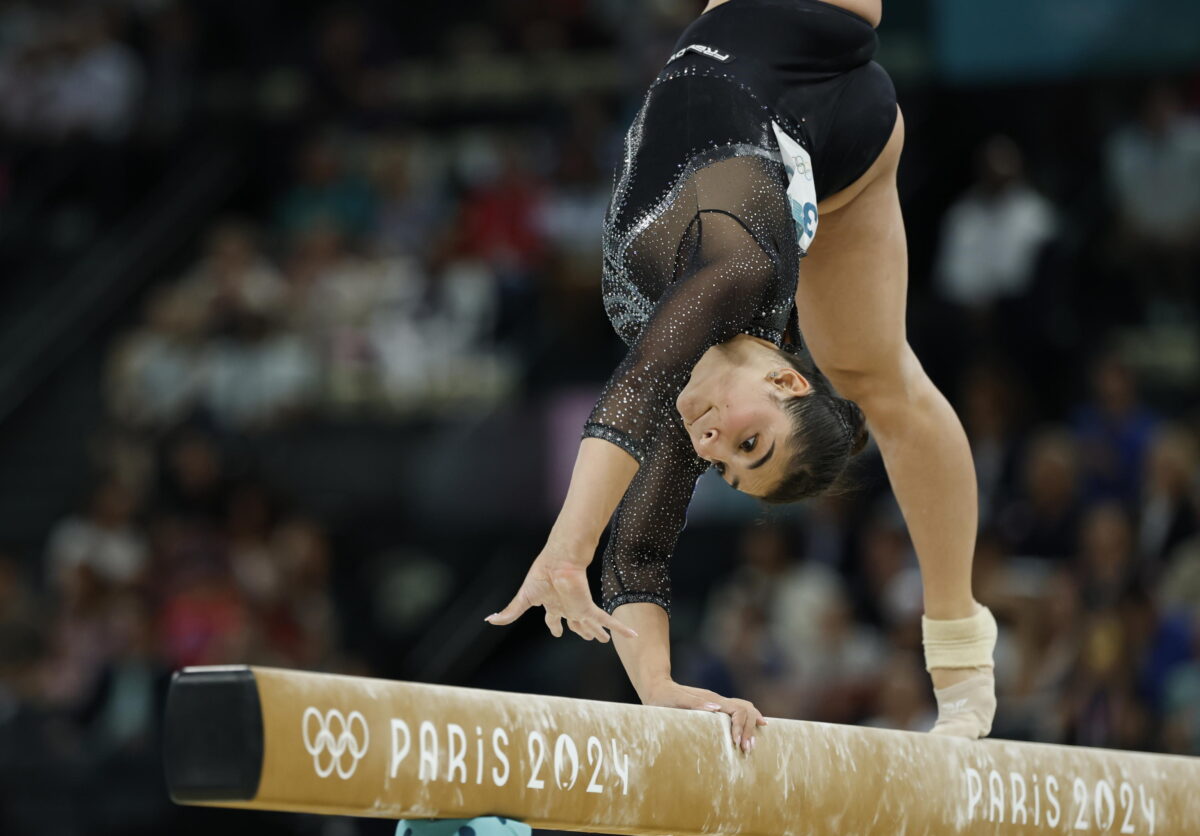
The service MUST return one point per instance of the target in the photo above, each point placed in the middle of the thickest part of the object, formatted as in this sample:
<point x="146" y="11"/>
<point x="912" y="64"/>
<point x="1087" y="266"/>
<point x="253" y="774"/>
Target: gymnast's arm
<point x="725" y="279"/>
<point x="635" y="581"/>
<point x="600" y="478"/>
<point x="557" y="580"/>
<point x="647" y="660"/>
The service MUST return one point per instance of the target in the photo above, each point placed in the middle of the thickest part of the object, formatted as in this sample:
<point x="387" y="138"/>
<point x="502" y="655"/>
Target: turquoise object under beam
<point x="478" y="826"/>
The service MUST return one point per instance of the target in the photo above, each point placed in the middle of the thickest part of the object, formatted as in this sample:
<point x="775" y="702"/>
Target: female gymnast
<point x="768" y="120"/>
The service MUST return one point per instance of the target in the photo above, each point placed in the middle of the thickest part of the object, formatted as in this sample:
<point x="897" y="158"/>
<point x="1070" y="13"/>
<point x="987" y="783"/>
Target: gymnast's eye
<point x="749" y="444"/>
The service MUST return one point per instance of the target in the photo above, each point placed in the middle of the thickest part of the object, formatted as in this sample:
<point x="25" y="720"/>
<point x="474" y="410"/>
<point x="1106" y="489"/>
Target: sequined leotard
<point x="702" y="239"/>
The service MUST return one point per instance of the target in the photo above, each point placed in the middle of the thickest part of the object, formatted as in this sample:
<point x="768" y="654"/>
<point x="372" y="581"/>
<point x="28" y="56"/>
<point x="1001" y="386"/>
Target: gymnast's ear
<point x="789" y="382"/>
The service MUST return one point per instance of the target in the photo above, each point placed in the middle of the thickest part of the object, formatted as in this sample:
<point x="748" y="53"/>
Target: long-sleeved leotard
<point x="702" y="242"/>
<point x="692" y="264"/>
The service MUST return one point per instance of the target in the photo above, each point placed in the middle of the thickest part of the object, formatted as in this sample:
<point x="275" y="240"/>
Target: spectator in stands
<point x="327" y="191"/>
<point x="412" y="208"/>
<point x="1049" y="629"/>
<point x="253" y="371"/>
<point x="1106" y="565"/>
<point x="104" y="541"/>
<point x="258" y="375"/>
<point x="336" y="295"/>
<point x="1179" y="584"/>
<point x="889" y="573"/>
<point x="1114" y="431"/>
<point x="154" y="372"/>
<point x="835" y="672"/>
<point x="1181" y="704"/>
<point x="124" y="711"/>
<point x="743" y="653"/>
<point x="993" y="235"/>
<point x="573" y="212"/>
<point x="1168" y="509"/>
<point x="1153" y="172"/>
<point x="79" y="639"/>
<point x="1042" y="520"/>
<point x="302" y="551"/>
<point x="204" y="620"/>
<point x="500" y="211"/>
<point x="249" y="517"/>
<point x="94" y="87"/>
<point x="71" y="76"/>
<point x="233" y="279"/>
<point x="992" y="407"/>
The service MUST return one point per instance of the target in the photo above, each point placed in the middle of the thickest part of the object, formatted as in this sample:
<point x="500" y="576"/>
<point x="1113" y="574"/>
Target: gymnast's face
<point x="732" y="408"/>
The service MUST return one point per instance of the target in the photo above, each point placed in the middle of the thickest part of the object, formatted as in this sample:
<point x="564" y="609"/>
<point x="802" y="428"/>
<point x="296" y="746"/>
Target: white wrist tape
<point x="960" y="643"/>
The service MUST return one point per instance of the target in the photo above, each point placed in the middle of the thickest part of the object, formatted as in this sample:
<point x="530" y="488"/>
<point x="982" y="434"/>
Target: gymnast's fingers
<point x="743" y="717"/>
<point x="737" y="727"/>
<point x="614" y="625"/>
<point x="554" y="622"/>
<point x="754" y="719"/>
<point x="580" y="629"/>
<point x="515" y="609"/>
<point x="600" y="633"/>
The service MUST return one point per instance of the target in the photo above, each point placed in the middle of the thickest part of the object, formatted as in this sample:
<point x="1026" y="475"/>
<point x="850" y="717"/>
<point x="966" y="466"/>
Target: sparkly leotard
<point x="703" y="238"/>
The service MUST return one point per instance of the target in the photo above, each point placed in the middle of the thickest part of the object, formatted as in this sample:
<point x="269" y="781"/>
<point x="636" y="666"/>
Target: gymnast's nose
<point x="706" y="442"/>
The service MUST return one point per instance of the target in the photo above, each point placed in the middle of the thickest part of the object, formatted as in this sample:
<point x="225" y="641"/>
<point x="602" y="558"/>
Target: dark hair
<point x="826" y="431"/>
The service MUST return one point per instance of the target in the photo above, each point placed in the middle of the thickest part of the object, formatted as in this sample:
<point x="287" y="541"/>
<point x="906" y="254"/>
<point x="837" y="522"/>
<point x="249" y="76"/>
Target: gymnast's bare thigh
<point x="869" y="10"/>
<point x="852" y="289"/>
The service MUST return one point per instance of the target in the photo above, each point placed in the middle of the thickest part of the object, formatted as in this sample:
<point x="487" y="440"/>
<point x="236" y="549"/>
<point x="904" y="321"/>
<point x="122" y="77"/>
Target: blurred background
<point x="300" y="321"/>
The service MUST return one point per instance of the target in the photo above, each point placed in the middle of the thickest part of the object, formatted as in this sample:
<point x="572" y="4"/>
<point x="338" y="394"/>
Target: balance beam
<point x="273" y="739"/>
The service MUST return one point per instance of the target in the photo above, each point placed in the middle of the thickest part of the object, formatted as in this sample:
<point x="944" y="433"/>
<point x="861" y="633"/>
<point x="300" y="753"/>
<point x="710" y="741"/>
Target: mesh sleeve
<point x="722" y="243"/>
<point x="647" y="524"/>
<point x="720" y="240"/>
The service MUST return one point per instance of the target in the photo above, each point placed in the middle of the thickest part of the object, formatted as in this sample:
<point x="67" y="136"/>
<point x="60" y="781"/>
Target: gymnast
<point x="768" y="120"/>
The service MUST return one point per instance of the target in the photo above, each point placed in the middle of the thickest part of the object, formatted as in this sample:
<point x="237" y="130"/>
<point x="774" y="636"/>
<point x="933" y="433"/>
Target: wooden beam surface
<point x="273" y="739"/>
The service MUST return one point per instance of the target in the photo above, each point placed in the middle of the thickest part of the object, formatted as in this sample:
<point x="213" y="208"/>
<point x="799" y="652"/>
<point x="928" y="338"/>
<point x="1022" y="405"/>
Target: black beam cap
<point x="213" y="735"/>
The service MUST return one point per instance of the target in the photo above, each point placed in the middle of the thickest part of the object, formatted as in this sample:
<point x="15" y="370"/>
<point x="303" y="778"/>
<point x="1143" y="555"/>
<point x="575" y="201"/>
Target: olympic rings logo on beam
<point x="334" y="734"/>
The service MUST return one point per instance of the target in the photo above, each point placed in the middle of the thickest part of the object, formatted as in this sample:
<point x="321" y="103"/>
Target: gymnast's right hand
<point x="561" y="586"/>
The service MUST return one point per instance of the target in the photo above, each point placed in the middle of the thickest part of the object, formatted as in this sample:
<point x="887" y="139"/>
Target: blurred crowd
<point x="200" y="564"/>
<point x="392" y="269"/>
<point x="396" y="273"/>
<point x="1089" y="551"/>
<point x="1089" y="555"/>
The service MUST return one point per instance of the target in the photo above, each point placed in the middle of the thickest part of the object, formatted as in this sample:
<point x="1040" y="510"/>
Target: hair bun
<point x="856" y="424"/>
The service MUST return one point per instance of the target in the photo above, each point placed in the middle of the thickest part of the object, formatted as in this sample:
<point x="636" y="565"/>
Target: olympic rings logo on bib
<point x="801" y="190"/>
<point x="332" y="735"/>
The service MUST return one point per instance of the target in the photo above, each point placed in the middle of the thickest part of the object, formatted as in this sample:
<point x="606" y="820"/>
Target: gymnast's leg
<point x="851" y="298"/>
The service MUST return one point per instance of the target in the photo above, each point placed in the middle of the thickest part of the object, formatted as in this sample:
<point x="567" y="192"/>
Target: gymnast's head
<point x="769" y="421"/>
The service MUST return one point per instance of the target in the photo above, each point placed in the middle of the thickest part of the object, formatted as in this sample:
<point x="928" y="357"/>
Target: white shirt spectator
<point x="1155" y="178"/>
<point x="116" y="555"/>
<point x="96" y="93"/>
<point x="990" y="244"/>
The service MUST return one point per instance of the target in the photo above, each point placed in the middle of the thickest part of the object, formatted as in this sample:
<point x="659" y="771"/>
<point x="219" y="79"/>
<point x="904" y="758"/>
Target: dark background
<point x="300" y="320"/>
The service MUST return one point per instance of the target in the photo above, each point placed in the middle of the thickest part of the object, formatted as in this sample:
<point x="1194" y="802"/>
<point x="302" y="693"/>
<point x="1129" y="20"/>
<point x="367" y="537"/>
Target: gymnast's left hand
<point x="744" y="717"/>
<point x="561" y="586"/>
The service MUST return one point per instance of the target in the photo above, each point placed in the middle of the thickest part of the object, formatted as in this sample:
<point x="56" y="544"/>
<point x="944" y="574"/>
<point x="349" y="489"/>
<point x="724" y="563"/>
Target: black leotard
<point x="702" y="239"/>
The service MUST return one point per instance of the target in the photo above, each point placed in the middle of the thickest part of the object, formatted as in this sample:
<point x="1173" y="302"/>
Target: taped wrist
<point x="960" y="643"/>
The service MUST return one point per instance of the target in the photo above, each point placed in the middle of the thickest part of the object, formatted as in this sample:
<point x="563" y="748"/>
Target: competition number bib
<point x="801" y="191"/>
